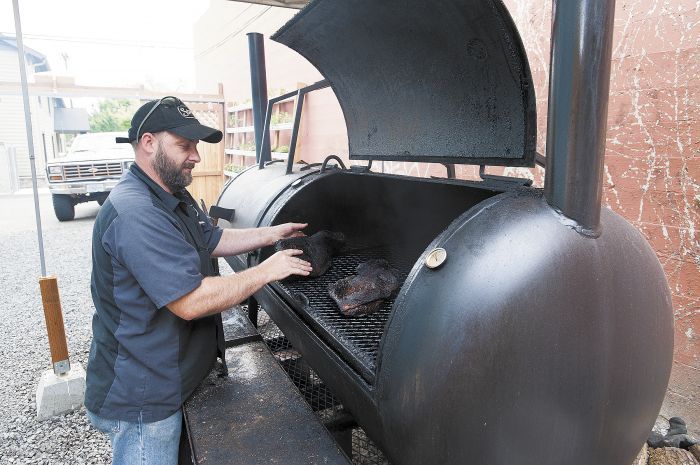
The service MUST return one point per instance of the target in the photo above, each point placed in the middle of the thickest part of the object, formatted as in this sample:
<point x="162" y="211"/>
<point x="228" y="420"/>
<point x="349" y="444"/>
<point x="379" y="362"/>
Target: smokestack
<point x="579" y="84"/>
<point x="258" y="85"/>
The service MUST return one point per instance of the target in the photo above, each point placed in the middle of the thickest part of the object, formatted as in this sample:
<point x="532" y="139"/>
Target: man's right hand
<point x="221" y="292"/>
<point x="285" y="263"/>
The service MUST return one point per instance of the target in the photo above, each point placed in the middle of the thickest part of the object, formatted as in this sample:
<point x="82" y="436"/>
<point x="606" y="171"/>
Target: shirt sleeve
<point x="153" y="249"/>
<point x="212" y="234"/>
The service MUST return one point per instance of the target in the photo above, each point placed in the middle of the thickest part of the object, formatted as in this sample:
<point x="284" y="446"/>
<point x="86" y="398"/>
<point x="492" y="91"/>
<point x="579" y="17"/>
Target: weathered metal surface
<point x="520" y="287"/>
<point x="255" y="415"/>
<point x="422" y="80"/>
<point x="531" y="329"/>
<point x="238" y="329"/>
<point x="535" y="331"/>
<point x="258" y="86"/>
<point x="254" y="190"/>
<point x="578" y="108"/>
<point x="652" y="159"/>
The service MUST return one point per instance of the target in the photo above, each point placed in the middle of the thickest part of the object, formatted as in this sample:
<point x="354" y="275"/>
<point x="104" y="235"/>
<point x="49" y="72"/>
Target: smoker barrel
<point x="533" y="343"/>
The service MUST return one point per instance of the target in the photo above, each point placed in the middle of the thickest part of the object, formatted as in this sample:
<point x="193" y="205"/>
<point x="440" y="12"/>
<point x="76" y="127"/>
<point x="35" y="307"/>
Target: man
<point x="156" y="297"/>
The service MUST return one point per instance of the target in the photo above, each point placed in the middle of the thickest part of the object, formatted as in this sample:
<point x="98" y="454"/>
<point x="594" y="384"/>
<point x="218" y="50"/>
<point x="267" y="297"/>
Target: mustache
<point x="188" y="165"/>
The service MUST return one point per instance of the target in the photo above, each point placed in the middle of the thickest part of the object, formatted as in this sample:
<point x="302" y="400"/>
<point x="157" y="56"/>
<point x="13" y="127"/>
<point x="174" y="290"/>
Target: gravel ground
<point x="24" y="349"/>
<point x="67" y="439"/>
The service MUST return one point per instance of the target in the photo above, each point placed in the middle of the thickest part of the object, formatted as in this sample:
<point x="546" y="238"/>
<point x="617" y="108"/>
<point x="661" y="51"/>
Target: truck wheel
<point x="63" y="207"/>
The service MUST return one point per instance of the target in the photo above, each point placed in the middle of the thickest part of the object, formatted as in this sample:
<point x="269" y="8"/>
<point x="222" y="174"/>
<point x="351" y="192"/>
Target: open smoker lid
<point x="423" y="80"/>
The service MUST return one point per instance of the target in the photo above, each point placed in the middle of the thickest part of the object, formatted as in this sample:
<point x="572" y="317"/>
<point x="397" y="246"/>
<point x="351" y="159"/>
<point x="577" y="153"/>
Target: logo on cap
<point x="184" y="111"/>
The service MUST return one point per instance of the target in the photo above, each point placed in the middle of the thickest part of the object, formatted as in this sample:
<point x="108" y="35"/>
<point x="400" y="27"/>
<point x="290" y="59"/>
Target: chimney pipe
<point x="258" y="86"/>
<point x="579" y="84"/>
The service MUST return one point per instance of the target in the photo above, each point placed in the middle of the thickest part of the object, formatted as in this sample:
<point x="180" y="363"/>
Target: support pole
<point x="298" y="110"/>
<point x="258" y="87"/>
<point x="579" y="84"/>
<point x="54" y="324"/>
<point x="60" y="390"/>
<point x="28" y="126"/>
<point x="253" y="308"/>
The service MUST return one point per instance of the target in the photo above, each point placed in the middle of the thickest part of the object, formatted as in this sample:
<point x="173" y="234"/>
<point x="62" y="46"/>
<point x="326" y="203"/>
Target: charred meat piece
<point x="366" y="291"/>
<point x="318" y="249"/>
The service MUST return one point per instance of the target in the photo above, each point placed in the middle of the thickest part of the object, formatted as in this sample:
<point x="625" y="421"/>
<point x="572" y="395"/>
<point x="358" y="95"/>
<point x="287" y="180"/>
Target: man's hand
<point x="283" y="264"/>
<point x="286" y="230"/>
<point x="219" y="293"/>
<point x="236" y="241"/>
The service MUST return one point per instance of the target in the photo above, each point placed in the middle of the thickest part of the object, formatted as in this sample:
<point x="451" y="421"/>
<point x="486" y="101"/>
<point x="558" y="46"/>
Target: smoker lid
<point x="445" y="81"/>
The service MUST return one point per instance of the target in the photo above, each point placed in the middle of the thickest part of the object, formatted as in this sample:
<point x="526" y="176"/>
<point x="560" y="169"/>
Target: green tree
<point x="112" y="115"/>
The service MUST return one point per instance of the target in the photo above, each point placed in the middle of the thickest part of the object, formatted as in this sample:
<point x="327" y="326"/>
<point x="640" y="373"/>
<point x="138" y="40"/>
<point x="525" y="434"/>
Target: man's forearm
<point x="216" y="294"/>
<point x="237" y="241"/>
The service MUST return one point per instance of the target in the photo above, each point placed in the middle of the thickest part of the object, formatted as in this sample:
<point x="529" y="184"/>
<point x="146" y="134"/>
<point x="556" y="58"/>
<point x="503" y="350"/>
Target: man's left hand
<point x="286" y="230"/>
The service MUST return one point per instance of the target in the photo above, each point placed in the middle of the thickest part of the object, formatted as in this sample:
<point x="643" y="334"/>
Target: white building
<point x="12" y="121"/>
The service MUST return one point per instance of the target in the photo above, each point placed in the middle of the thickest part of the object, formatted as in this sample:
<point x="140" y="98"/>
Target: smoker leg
<point x="185" y="456"/>
<point x="344" y="440"/>
<point x="340" y="428"/>
<point x="253" y="311"/>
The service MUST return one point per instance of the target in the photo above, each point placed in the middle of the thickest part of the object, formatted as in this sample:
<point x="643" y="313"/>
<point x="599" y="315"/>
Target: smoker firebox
<point x="548" y="326"/>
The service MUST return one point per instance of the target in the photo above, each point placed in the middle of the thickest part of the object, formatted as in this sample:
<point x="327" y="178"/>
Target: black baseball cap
<point x="172" y="115"/>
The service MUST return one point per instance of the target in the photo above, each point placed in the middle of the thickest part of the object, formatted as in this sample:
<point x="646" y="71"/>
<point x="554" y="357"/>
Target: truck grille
<point x="92" y="170"/>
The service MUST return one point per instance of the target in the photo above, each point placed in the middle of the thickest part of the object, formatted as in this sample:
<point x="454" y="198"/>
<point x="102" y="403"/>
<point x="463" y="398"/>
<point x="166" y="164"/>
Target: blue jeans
<point x="140" y="443"/>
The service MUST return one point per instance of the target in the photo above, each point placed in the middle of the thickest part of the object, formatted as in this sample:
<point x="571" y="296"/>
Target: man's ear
<point x="149" y="143"/>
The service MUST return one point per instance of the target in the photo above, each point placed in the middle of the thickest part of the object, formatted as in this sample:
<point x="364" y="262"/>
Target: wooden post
<point x="54" y="324"/>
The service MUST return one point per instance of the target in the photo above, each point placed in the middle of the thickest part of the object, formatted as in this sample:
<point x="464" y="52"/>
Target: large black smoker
<point x="532" y="327"/>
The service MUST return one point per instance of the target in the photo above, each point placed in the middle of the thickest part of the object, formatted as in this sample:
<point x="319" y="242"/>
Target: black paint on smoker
<point x="543" y="322"/>
<point x="366" y="291"/>
<point x="318" y="249"/>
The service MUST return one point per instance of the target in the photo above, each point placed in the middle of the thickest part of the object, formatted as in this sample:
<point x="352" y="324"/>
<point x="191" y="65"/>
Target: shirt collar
<point x="170" y="201"/>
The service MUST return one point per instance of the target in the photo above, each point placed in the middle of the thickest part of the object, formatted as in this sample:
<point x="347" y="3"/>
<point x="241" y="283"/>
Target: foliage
<point x="282" y="149"/>
<point x="112" y="115"/>
<point x="281" y="117"/>
<point x="248" y="146"/>
<point x="233" y="168"/>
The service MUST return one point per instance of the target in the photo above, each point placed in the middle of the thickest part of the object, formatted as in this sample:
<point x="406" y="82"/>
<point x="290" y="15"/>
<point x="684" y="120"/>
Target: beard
<point x="173" y="176"/>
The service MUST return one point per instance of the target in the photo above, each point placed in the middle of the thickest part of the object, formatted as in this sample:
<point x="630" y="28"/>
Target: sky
<point x="122" y="43"/>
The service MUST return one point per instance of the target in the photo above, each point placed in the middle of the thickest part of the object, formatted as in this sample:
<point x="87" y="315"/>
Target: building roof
<point x="34" y="57"/>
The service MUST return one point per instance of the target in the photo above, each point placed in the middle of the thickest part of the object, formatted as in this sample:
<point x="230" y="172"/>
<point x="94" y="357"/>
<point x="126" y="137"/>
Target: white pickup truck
<point x="91" y="168"/>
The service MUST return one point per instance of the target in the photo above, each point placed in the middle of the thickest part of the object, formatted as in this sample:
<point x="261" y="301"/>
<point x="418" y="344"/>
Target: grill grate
<point x="355" y="338"/>
<point x="316" y="393"/>
<point x="91" y="170"/>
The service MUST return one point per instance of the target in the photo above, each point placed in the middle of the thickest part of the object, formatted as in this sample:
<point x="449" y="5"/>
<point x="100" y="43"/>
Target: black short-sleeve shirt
<point x="148" y="250"/>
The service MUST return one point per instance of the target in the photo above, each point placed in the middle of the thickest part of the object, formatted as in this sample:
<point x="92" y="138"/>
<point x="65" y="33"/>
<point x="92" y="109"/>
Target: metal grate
<point x="355" y="338"/>
<point x="322" y="401"/>
<point x="91" y="170"/>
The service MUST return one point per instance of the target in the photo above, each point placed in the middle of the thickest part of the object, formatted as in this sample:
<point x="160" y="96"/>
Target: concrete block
<point x="58" y="394"/>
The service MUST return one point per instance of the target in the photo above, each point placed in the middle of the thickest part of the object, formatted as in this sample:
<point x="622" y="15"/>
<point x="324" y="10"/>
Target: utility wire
<point x="89" y="40"/>
<point x="233" y="34"/>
